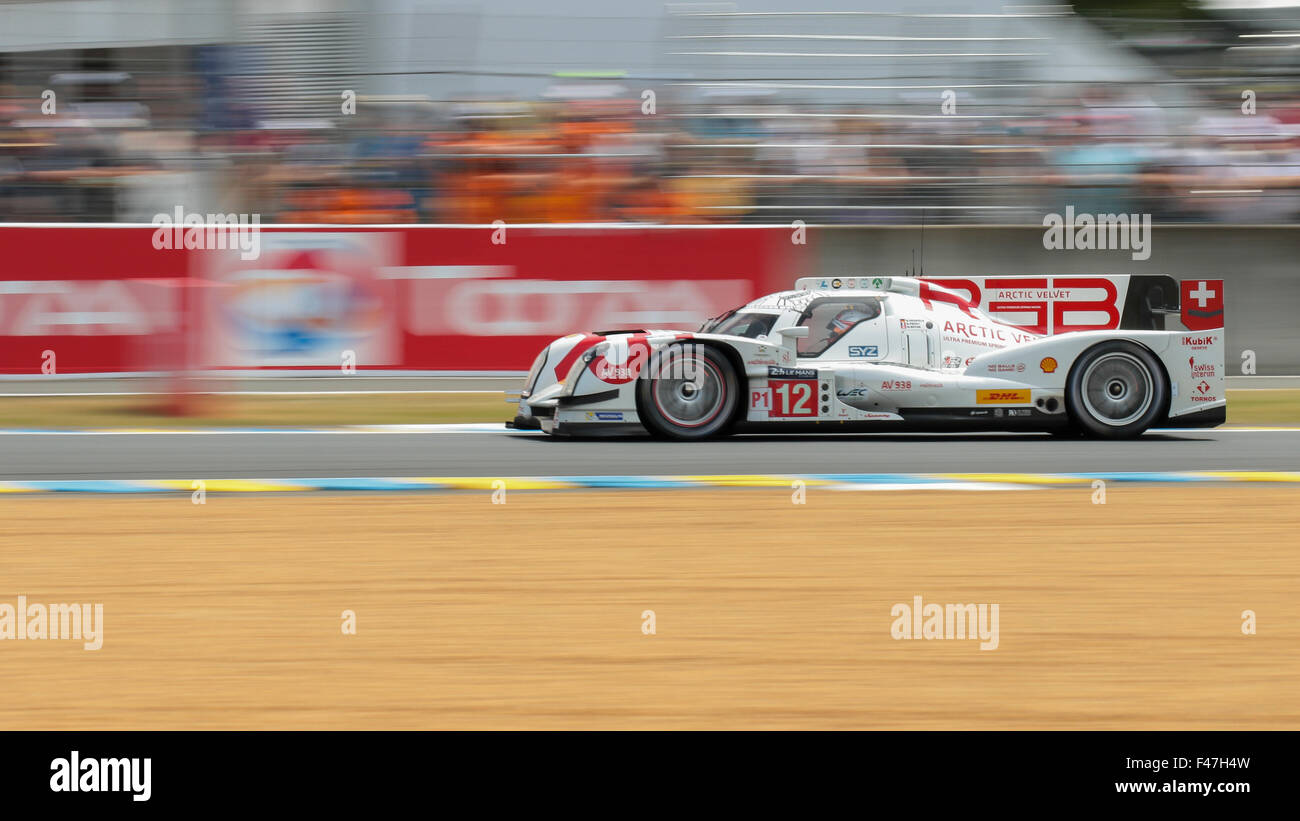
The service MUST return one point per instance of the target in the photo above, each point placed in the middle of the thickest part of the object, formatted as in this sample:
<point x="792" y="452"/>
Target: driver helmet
<point x="846" y="319"/>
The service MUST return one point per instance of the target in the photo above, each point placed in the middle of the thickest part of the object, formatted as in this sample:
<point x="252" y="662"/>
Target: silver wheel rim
<point x="690" y="403"/>
<point x="1117" y="389"/>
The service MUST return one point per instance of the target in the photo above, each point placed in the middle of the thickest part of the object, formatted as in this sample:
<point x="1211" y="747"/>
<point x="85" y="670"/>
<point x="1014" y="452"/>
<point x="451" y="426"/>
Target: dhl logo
<point x="1001" y="397"/>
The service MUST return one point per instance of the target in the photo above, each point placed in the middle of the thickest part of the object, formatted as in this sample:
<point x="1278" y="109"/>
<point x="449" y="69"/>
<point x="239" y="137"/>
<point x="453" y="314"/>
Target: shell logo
<point x="1048" y="364"/>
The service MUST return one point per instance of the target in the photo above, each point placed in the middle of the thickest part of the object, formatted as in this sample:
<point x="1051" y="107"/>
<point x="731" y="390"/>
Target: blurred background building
<point x="754" y="111"/>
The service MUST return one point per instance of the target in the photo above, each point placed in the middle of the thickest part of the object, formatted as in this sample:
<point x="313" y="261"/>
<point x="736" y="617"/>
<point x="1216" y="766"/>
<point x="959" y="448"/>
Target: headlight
<point x="595" y="351"/>
<point x="535" y="370"/>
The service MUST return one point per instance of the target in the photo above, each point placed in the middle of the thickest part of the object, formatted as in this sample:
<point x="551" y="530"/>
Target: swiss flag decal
<point x="1202" y="303"/>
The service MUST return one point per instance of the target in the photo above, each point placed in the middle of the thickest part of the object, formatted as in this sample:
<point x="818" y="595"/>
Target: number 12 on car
<point x="793" y="397"/>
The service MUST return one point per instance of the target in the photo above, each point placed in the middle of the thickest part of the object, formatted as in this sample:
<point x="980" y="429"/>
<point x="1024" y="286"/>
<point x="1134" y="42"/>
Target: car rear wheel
<point x="1116" y="390"/>
<point x="688" y="392"/>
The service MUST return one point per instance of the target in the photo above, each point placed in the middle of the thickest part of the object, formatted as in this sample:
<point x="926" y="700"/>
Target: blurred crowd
<point x="703" y="159"/>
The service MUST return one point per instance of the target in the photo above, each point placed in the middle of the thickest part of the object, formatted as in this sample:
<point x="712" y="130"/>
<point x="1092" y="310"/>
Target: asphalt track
<point x="478" y="451"/>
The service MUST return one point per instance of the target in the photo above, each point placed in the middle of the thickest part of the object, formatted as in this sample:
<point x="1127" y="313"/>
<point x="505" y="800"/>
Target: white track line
<point x="980" y="486"/>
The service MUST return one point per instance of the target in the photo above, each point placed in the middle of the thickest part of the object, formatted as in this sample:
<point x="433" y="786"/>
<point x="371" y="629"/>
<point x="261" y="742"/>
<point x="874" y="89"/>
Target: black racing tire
<point x="1116" y="390"/>
<point x="688" y="391"/>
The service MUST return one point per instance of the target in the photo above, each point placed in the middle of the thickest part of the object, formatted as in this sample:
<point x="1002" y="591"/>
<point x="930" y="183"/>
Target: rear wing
<point x="1049" y="305"/>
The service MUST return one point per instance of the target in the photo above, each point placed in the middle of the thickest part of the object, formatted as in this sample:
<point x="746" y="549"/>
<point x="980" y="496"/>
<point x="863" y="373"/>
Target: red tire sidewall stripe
<point x="722" y="387"/>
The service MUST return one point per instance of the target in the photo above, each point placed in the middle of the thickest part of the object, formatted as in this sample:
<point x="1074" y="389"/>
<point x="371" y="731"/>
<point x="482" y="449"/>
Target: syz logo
<point x="869" y="351"/>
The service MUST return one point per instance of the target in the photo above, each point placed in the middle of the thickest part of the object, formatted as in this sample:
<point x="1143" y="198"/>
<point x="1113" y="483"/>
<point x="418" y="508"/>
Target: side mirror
<point x="794" y="332"/>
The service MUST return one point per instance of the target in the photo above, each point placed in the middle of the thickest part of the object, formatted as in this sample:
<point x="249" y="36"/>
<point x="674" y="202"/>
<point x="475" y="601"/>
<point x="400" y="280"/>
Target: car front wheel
<point x="688" y="392"/>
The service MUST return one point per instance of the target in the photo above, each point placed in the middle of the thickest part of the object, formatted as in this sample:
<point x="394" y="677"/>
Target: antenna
<point x="922" y="242"/>
<point x="921" y="258"/>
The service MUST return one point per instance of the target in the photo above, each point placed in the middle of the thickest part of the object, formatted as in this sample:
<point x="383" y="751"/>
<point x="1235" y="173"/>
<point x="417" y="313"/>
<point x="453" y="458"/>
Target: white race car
<point x="1106" y="356"/>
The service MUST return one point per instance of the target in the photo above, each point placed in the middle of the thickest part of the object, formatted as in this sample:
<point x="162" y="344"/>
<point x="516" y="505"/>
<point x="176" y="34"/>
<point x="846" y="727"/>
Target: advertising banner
<point x="428" y="298"/>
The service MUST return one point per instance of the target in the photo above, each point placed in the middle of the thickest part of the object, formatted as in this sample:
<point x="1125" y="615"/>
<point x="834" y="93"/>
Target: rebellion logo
<point x="1036" y="305"/>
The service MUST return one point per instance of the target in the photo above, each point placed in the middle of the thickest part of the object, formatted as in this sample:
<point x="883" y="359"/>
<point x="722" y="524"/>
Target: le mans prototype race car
<point x="1104" y="356"/>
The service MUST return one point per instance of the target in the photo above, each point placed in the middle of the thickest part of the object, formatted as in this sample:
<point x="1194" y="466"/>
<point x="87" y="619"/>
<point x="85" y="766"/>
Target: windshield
<point x="714" y="321"/>
<point x="829" y="319"/>
<point x="746" y="324"/>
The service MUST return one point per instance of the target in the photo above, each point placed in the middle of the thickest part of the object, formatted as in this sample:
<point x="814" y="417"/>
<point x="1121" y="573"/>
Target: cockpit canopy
<point x="828" y="317"/>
